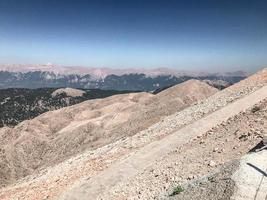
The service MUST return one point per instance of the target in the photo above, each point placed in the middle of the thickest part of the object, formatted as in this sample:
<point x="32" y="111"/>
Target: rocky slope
<point x="198" y="158"/>
<point x="191" y="159"/>
<point x="88" y="125"/>
<point x="17" y="105"/>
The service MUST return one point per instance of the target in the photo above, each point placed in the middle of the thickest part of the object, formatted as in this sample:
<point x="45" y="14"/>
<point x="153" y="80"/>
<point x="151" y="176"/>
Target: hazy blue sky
<point x="225" y="34"/>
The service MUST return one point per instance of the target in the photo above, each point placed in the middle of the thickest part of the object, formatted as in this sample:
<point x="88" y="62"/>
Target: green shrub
<point x="177" y="190"/>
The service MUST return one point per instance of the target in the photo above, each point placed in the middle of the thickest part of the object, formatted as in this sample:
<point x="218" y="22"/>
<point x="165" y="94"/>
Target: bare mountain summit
<point x="71" y="92"/>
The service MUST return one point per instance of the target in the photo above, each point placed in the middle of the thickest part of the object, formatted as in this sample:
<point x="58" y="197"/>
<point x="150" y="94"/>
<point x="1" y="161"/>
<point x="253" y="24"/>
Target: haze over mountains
<point x="38" y="76"/>
<point x="101" y="73"/>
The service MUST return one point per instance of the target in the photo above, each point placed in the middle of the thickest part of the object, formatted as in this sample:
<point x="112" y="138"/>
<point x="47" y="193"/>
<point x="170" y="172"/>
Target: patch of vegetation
<point x="19" y="104"/>
<point x="177" y="190"/>
<point x="255" y="109"/>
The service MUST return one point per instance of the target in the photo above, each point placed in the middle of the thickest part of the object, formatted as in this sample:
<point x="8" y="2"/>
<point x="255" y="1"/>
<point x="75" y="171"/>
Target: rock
<point x="243" y="137"/>
<point x="201" y="142"/>
<point x="190" y="177"/>
<point x="222" y="150"/>
<point x="212" y="163"/>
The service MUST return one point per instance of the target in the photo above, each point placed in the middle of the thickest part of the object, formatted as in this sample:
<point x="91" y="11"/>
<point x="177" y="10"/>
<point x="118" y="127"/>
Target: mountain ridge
<point x="196" y="157"/>
<point x="89" y="125"/>
<point x="102" y="72"/>
<point x="135" y="82"/>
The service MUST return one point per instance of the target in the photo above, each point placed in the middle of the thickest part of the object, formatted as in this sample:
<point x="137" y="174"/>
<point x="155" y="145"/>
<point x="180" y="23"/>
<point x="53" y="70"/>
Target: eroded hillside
<point x="57" y="135"/>
<point x="17" y="104"/>
<point x="184" y="145"/>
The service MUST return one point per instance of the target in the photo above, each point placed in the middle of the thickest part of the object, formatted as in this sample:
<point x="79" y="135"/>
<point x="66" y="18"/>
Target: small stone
<point x="212" y="163"/>
<point x="201" y="142"/>
<point x="190" y="177"/>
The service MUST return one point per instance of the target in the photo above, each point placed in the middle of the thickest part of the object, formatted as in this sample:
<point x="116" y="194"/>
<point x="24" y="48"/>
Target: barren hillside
<point x="57" y="135"/>
<point x="19" y="104"/>
<point x="191" y="143"/>
<point x="197" y="160"/>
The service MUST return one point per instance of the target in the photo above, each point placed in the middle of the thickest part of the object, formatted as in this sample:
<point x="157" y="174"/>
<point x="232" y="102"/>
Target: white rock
<point x="212" y="163"/>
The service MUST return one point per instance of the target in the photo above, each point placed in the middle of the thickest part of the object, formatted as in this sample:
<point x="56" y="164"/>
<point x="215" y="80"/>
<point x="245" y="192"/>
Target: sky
<point x="181" y="34"/>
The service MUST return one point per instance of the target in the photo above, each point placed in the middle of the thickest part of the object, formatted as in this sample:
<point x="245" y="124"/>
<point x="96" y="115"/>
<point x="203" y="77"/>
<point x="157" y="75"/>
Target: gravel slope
<point x="146" y="173"/>
<point x="53" y="181"/>
<point x="56" y="136"/>
<point x="215" y="186"/>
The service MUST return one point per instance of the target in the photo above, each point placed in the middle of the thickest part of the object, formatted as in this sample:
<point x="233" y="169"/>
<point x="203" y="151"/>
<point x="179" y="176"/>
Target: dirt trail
<point x="145" y="157"/>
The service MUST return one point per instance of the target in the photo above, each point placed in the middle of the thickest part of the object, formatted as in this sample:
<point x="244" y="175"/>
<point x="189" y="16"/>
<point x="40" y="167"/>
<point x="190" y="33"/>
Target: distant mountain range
<point x="39" y="76"/>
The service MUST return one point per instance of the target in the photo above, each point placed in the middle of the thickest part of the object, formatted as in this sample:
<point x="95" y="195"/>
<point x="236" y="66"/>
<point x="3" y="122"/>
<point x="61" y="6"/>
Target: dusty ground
<point x="215" y="186"/>
<point x="201" y="156"/>
<point x="243" y="179"/>
<point x="251" y="178"/>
